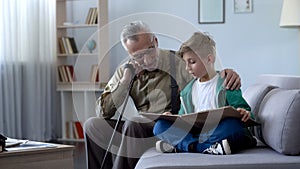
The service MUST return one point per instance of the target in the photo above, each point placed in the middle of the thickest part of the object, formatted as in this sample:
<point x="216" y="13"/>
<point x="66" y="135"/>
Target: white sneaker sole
<point x="159" y="148"/>
<point x="226" y="147"/>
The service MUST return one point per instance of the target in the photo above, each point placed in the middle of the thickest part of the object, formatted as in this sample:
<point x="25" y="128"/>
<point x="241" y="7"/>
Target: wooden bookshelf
<point x="74" y="63"/>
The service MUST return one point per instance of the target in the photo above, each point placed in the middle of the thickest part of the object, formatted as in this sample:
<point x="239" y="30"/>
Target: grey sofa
<point x="275" y="100"/>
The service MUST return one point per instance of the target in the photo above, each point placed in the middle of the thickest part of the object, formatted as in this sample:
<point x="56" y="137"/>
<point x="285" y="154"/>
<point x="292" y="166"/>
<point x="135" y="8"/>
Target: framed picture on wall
<point x="211" y="11"/>
<point x="242" y="6"/>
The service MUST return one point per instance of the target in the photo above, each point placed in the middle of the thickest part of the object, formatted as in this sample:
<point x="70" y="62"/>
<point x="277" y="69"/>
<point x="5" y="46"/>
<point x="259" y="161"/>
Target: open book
<point x="199" y="119"/>
<point x="10" y="142"/>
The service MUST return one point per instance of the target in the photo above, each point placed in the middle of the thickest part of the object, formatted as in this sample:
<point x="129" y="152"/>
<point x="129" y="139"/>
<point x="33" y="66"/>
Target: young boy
<point x="205" y="92"/>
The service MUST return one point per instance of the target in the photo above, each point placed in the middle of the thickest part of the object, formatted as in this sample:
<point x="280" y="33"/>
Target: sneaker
<point x="222" y="148"/>
<point x="164" y="147"/>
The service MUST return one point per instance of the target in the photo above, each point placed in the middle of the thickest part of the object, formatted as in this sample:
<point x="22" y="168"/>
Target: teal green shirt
<point x="224" y="97"/>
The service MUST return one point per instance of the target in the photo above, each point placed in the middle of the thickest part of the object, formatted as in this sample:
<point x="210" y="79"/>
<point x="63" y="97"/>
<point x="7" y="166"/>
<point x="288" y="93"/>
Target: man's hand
<point x="131" y="69"/>
<point x="232" y="79"/>
<point x="245" y="114"/>
<point x="127" y="76"/>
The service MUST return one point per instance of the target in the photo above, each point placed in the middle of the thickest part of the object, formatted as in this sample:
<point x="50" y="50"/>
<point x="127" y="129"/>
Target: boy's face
<point x="195" y="65"/>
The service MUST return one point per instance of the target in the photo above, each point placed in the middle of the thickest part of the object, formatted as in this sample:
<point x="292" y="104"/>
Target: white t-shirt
<point x="204" y="94"/>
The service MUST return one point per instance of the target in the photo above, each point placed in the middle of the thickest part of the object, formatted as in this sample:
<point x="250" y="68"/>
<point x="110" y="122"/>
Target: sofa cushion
<point x="254" y="94"/>
<point x="258" y="158"/>
<point x="282" y="81"/>
<point x="279" y="115"/>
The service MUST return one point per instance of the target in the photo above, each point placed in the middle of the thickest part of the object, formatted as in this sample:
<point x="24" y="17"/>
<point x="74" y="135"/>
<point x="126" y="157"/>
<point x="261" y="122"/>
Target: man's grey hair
<point x="133" y="29"/>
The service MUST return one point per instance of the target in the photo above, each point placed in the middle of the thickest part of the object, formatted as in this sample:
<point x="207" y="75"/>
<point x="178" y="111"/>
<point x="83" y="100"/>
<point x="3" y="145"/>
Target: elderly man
<point x="160" y="74"/>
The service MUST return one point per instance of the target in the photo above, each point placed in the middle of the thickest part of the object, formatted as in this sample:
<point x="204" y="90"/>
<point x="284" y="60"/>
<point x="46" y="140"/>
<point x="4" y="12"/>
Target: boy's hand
<point x="245" y="114"/>
<point x="232" y="80"/>
<point x="167" y="113"/>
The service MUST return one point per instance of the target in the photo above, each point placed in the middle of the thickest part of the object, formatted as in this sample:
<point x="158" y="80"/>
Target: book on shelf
<point x="92" y="16"/>
<point x="67" y="45"/>
<point x="94" y="76"/>
<point x="62" y="74"/>
<point x="62" y="48"/>
<point x="68" y="130"/>
<point x="78" y="129"/>
<point x="74" y="130"/>
<point x="87" y="20"/>
<point x="75" y="133"/>
<point x="64" y="41"/>
<point x="95" y="19"/>
<point x="73" y="44"/>
<point x="66" y="73"/>
<point x="199" y="119"/>
<point x="70" y="72"/>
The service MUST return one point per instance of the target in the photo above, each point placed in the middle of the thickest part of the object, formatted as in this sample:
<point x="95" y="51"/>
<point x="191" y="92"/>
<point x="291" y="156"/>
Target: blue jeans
<point x="231" y="128"/>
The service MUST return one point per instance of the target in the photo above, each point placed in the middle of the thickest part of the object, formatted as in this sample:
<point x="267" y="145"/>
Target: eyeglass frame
<point x="149" y="50"/>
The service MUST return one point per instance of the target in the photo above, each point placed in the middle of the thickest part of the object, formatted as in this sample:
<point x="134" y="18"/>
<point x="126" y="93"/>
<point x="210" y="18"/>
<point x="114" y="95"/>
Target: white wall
<point x="251" y="43"/>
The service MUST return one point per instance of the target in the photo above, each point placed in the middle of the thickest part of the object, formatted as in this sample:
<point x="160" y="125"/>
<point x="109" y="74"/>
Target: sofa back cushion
<point x="282" y="81"/>
<point x="279" y="114"/>
<point x="254" y="95"/>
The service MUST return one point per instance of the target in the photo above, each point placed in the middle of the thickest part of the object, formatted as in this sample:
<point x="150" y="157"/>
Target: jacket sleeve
<point x="113" y="95"/>
<point x="235" y="99"/>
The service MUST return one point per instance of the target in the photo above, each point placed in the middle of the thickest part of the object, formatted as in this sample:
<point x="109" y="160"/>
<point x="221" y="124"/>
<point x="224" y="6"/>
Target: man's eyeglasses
<point x="145" y="52"/>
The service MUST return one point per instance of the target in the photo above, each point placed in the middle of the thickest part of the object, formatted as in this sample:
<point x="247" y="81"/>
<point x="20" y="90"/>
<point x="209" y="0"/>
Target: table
<point x="53" y="156"/>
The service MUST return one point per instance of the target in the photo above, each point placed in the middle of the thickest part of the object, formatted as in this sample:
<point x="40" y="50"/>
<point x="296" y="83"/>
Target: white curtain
<point x="28" y="99"/>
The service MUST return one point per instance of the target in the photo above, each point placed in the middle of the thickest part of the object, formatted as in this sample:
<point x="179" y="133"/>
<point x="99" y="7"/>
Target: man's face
<point x="143" y="52"/>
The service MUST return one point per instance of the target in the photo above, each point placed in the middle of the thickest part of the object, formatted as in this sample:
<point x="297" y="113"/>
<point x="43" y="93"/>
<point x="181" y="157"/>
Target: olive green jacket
<point x="151" y="92"/>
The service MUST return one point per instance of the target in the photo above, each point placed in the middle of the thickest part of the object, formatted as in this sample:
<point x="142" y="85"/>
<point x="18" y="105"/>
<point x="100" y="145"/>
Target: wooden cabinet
<point x="82" y="59"/>
<point x="58" y="157"/>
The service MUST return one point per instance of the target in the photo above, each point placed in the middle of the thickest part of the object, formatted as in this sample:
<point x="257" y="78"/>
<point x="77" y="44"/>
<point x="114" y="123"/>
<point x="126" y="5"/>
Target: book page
<point x="199" y="119"/>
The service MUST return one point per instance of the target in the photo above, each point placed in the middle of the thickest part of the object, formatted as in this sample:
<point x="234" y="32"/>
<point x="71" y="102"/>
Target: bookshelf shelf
<point x="78" y="54"/>
<point x="80" y="76"/>
<point x="80" y="86"/>
<point x="77" y="26"/>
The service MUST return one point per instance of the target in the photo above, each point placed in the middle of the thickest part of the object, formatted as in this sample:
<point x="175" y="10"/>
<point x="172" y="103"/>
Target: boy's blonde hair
<point x="200" y="43"/>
